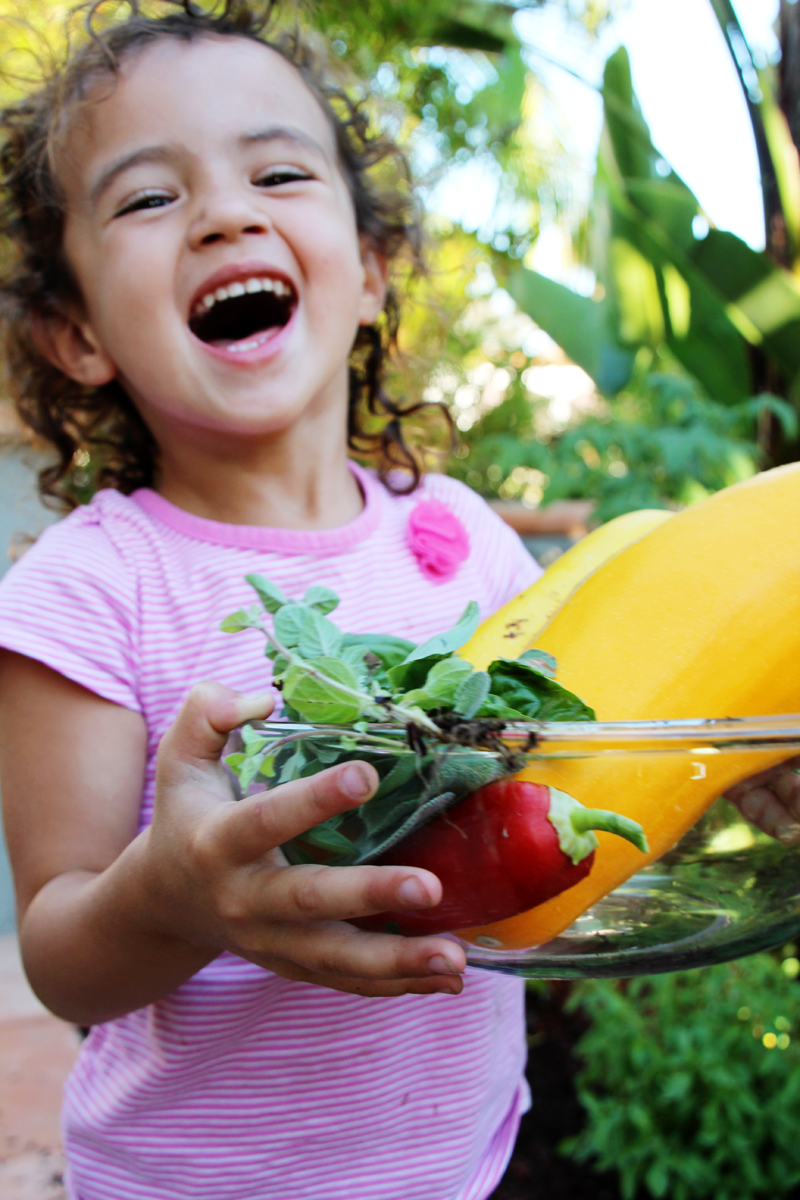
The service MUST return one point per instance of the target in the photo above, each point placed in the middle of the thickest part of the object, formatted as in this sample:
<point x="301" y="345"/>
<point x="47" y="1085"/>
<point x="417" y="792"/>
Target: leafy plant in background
<point x="685" y="323"/>
<point x="691" y="1082"/>
<point x="661" y="443"/>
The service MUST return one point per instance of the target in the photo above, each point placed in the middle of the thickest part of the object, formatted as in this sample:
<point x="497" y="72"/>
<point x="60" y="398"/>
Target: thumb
<point x="197" y="736"/>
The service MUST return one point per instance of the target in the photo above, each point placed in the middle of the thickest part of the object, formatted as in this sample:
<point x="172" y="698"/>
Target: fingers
<point x="431" y="986"/>
<point x="338" y="950"/>
<point x="200" y="730"/>
<point x="318" y="893"/>
<point x="260" y="823"/>
<point x="786" y="786"/>
<point x="763" y="809"/>
<point x="771" y="801"/>
<point x="786" y="774"/>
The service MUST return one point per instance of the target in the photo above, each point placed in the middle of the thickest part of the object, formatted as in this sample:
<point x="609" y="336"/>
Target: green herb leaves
<point x="452" y="639"/>
<point x="334" y="678"/>
<point x="329" y="696"/>
<point x="387" y="701"/>
<point x="521" y="691"/>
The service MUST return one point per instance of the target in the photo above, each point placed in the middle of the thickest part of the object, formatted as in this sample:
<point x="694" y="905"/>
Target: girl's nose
<point x="227" y="218"/>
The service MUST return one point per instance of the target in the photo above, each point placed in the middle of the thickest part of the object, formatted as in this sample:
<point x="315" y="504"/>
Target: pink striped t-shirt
<point x="242" y="1085"/>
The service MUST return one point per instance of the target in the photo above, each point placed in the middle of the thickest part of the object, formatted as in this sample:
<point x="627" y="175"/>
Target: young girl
<point x="199" y="248"/>
<point x="199" y="295"/>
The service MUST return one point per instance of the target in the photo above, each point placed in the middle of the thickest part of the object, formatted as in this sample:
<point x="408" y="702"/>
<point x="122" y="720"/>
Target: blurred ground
<point x="36" y="1053"/>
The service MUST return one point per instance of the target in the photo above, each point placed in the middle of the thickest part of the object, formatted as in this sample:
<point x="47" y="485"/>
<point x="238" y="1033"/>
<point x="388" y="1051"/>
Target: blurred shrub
<point x="691" y="1082"/>
<point x="661" y="443"/>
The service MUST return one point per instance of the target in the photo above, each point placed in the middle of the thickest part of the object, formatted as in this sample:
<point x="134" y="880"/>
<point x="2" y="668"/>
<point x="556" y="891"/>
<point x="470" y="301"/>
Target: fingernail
<point x="448" y="989"/>
<point x="788" y="833"/>
<point x="439" y="965"/>
<point x="412" y="893"/>
<point x="355" y="783"/>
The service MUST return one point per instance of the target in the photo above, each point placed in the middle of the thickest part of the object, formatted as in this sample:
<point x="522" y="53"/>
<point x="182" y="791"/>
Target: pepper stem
<point x="584" y="819"/>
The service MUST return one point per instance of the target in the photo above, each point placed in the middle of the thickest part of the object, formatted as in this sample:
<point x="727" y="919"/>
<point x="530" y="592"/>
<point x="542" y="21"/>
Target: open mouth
<point x="244" y="314"/>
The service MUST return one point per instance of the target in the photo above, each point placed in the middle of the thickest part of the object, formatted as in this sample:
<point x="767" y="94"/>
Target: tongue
<point x="252" y="339"/>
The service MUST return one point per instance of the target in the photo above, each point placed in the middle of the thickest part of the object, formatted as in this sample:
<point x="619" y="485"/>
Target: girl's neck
<point x="285" y="482"/>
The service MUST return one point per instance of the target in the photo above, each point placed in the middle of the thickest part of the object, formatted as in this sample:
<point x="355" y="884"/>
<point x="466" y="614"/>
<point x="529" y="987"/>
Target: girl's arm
<point x="110" y="920"/>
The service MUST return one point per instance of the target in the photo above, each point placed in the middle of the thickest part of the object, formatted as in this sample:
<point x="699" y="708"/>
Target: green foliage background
<point x="691" y="1082"/>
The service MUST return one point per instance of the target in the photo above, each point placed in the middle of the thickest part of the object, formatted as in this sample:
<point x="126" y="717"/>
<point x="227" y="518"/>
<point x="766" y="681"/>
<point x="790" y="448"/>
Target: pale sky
<point x="688" y="89"/>
<point x="692" y="99"/>
<point x="689" y="92"/>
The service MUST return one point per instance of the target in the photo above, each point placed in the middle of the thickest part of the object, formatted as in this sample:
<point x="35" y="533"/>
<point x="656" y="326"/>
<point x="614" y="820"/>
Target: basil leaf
<point x="279" y="668"/>
<point x="289" y="623"/>
<point x="493" y="706"/>
<point x="404" y="769"/>
<point x="390" y="650"/>
<point x="269" y="594"/>
<point x="407" y="675"/>
<point x="253" y="740"/>
<point x="321" y="701"/>
<point x="532" y="694"/>
<point x="472" y="693"/>
<point x="290" y="714"/>
<point x="419" y="698"/>
<point x="445" y="678"/>
<point x="290" y="769"/>
<point x="319" y="637"/>
<point x="540" y="661"/>
<point x="237" y="621"/>
<point x="354" y="657"/>
<point x="321" y="598"/>
<point x="328" y="754"/>
<point x="327" y="838"/>
<point x="259" y="764"/>
<point x="452" y="639"/>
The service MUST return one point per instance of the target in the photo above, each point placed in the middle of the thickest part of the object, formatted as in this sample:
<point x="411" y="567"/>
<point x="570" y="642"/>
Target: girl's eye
<point x="279" y="175"/>
<point x="144" y="200"/>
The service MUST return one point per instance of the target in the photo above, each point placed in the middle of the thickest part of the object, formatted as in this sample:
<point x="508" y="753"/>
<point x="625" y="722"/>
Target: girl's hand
<point x="111" y="920"/>
<point x="771" y="801"/>
<point x="219" y="879"/>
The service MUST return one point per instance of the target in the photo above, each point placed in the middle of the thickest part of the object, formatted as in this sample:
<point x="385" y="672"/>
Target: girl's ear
<point x="373" y="295"/>
<point x="69" y="343"/>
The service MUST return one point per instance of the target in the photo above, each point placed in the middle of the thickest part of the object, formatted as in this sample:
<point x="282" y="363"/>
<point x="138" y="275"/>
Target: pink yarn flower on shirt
<point x="438" y="539"/>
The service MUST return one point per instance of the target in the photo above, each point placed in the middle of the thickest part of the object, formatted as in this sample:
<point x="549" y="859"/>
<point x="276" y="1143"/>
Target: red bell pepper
<point x="500" y="851"/>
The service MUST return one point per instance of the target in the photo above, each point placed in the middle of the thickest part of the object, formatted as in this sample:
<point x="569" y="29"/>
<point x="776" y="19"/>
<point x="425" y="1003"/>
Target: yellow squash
<point x="515" y="626"/>
<point x="699" y="618"/>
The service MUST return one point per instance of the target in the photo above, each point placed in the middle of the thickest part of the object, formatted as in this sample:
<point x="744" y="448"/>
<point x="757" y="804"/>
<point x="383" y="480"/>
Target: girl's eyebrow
<point x="147" y="154"/>
<point x="284" y="133"/>
<point x="168" y="154"/>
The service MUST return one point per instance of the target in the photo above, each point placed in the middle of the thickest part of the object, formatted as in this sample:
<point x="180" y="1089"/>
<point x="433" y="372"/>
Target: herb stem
<point x="403" y="715"/>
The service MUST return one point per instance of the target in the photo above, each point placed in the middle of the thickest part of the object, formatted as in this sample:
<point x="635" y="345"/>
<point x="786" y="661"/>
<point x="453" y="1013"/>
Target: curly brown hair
<point x="100" y="426"/>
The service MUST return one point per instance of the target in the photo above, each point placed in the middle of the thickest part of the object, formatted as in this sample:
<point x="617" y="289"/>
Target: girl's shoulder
<point x="96" y="540"/>
<point x="72" y="600"/>
<point x="110" y="523"/>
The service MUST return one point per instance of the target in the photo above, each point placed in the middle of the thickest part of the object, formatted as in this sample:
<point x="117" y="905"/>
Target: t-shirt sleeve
<point x="70" y="603"/>
<point x="495" y="547"/>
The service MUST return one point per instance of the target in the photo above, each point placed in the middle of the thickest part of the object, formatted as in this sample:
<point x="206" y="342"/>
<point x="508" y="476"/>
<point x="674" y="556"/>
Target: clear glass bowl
<point x="724" y="890"/>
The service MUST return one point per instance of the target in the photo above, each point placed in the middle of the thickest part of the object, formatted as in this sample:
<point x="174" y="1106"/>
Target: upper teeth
<point x="239" y="288"/>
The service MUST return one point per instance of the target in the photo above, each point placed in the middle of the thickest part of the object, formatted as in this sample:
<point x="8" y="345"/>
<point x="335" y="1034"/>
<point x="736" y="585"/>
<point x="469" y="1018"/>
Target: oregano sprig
<point x="421" y="714"/>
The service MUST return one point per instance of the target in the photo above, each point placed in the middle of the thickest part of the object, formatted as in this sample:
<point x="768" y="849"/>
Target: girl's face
<point x="213" y="240"/>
